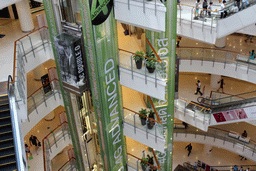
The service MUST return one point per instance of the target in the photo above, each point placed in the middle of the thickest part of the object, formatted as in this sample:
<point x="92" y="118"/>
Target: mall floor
<point x="186" y="90"/>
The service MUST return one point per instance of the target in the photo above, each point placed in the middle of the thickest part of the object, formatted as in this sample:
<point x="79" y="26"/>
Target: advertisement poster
<point x="46" y="83"/>
<point x="71" y="62"/>
<point x="236" y="114"/>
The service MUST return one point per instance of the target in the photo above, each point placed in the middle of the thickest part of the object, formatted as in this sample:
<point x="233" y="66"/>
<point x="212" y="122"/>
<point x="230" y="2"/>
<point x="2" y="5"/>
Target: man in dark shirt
<point x="189" y="148"/>
<point x="34" y="141"/>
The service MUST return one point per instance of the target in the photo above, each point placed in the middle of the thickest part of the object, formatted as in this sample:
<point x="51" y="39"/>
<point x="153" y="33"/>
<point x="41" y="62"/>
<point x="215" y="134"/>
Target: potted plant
<point x="143" y="163"/>
<point x="138" y="58"/>
<point x="151" y="123"/>
<point x="143" y="115"/>
<point x="150" y="63"/>
<point x="151" y="161"/>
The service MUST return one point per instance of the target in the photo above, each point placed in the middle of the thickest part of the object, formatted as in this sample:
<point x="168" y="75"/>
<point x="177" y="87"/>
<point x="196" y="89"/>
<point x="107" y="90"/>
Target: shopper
<point x="210" y="9"/>
<point x="241" y="169"/>
<point x="27" y="149"/>
<point x="235" y="168"/>
<point x="221" y="82"/>
<point x="244" y="134"/>
<point x="252" y="54"/>
<point x="178" y="3"/>
<point x="205" y="5"/>
<point x="34" y="141"/>
<point x="237" y="3"/>
<point x="196" y="13"/>
<point x="185" y="124"/>
<point x="224" y="12"/>
<point x="189" y="148"/>
<point x="126" y="29"/>
<point x="248" y="169"/>
<point x="198" y="84"/>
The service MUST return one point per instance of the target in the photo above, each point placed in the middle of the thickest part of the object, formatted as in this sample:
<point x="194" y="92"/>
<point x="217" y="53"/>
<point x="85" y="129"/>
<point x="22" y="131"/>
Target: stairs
<point x="7" y="151"/>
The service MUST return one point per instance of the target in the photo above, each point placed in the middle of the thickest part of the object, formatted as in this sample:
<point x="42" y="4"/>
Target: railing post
<point x="155" y="7"/>
<point x="225" y="60"/>
<point x="137" y="164"/>
<point x="155" y="133"/>
<point x="143" y="6"/>
<point x="32" y="46"/>
<point x="145" y="71"/>
<point x="155" y="79"/>
<point x="191" y="17"/>
<point x="23" y="51"/>
<point x="147" y="129"/>
<point x="49" y="144"/>
<point x="236" y="64"/>
<point x="34" y="104"/>
<point x="204" y="119"/>
<point x="180" y="15"/>
<point x="211" y="24"/>
<point x="253" y="149"/>
<point x="134" y="123"/>
<point x="132" y="67"/>
<point x="44" y="100"/>
<point x="128" y="4"/>
<point x="185" y="108"/>
<point x="248" y="68"/>
<point x="42" y="39"/>
<point x="54" y="139"/>
<point x="63" y="132"/>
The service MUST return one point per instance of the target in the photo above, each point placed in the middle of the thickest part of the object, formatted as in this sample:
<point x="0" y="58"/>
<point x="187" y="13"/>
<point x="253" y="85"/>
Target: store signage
<point x="236" y="114"/>
<point x="71" y="62"/>
<point x="100" y="10"/>
<point x="46" y="83"/>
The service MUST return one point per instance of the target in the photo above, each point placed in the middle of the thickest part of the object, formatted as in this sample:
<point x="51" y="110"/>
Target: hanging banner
<point x="101" y="46"/>
<point x="100" y="10"/>
<point x="71" y="62"/>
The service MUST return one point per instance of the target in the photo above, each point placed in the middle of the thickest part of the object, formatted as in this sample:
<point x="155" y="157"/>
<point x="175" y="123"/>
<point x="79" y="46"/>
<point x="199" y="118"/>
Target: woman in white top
<point x="196" y="13"/>
<point x="223" y="10"/>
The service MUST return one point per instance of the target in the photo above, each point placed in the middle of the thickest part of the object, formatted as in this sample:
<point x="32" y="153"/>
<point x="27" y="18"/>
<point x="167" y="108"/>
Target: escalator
<point x="7" y="151"/>
<point x="220" y="102"/>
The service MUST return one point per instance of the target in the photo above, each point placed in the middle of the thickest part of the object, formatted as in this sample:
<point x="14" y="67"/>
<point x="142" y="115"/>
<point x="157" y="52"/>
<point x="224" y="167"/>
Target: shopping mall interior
<point x="210" y="48"/>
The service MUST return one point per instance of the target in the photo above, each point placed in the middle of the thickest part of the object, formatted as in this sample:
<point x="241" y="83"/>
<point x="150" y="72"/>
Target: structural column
<point x="221" y="42"/>
<point x="214" y="80"/>
<point x="25" y="17"/>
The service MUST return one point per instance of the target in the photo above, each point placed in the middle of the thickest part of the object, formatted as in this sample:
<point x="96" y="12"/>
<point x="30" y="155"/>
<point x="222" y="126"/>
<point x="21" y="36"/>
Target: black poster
<point x="177" y="65"/>
<point x="71" y="62"/>
<point x="46" y="83"/>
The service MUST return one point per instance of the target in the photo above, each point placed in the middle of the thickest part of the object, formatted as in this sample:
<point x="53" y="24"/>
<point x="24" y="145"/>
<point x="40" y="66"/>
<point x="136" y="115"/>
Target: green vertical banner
<point x="101" y="49"/>
<point x="165" y="45"/>
<point x="65" y="95"/>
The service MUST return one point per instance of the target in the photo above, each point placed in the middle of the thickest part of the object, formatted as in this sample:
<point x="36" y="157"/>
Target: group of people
<point x="198" y="86"/>
<point x="207" y="9"/>
<point x="235" y="168"/>
<point x="33" y="141"/>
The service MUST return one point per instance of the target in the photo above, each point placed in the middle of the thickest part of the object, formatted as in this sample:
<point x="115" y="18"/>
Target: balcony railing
<point x="215" y="55"/>
<point x="70" y="165"/>
<point x="51" y="140"/>
<point x="24" y="48"/>
<point x="39" y="96"/>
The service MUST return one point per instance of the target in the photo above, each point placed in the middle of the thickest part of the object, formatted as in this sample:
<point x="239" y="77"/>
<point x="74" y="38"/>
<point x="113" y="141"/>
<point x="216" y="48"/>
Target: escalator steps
<point x="7" y="152"/>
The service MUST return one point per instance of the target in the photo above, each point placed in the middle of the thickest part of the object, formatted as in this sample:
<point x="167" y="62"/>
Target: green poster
<point x="101" y="49"/>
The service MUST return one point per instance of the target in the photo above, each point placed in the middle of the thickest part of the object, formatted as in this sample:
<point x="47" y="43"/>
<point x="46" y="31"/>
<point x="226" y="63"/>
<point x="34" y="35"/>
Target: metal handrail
<point x="152" y="48"/>
<point x="223" y="93"/>
<point x="158" y="121"/>
<point x="203" y="108"/>
<point x="43" y="144"/>
<point x="140" y="55"/>
<point x="15" y="48"/>
<point x="158" y="167"/>
<point x="71" y="159"/>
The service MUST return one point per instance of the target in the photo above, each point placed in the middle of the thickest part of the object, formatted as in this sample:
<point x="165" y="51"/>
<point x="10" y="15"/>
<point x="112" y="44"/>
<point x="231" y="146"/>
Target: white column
<point x="221" y="42"/>
<point x="25" y="17"/>
<point x="214" y="80"/>
<point x="39" y="72"/>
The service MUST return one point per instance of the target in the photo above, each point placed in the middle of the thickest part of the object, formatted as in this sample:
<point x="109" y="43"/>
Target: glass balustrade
<point x="219" y="134"/>
<point x="69" y="166"/>
<point x="52" y="140"/>
<point x="127" y="62"/>
<point x="134" y="120"/>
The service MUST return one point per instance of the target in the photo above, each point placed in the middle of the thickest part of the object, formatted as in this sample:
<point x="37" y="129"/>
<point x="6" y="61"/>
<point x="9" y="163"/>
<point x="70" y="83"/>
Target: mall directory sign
<point x="101" y="46"/>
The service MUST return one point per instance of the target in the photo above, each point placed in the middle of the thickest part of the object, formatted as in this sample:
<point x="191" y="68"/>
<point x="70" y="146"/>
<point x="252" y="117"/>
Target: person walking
<point x="224" y="12"/>
<point x="205" y="5"/>
<point x="189" y="148"/>
<point x="210" y="9"/>
<point x="34" y="141"/>
<point x="252" y="54"/>
<point x="196" y="13"/>
<point x="221" y="82"/>
<point x="235" y="168"/>
<point x="27" y="149"/>
<point x="198" y="84"/>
